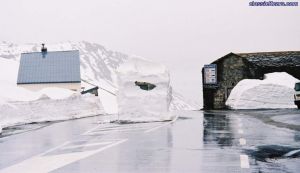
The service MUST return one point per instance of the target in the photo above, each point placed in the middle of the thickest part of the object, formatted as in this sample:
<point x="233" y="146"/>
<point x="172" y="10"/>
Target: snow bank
<point x="109" y="102"/>
<point x="20" y="106"/>
<point x="8" y="88"/>
<point x="180" y="103"/>
<point x="275" y="91"/>
<point x="136" y="104"/>
<point x="56" y="93"/>
<point x="46" y="109"/>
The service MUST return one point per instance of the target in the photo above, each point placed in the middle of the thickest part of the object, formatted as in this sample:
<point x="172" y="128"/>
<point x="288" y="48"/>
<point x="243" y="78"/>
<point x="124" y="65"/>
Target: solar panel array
<point x="49" y="67"/>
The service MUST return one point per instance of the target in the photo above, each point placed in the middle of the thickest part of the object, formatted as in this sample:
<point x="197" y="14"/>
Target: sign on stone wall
<point x="210" y="74"/>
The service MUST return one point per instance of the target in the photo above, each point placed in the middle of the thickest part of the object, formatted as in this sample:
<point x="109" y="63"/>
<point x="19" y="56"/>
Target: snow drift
<point x="143" y="103"/>
<point x="275" y="91"/>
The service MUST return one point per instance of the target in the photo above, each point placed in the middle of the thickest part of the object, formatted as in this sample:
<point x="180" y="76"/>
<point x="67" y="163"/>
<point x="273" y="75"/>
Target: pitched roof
<point x="274" y="59"/>
<point x="49" y="67"/>
<point x="223" y="57"/>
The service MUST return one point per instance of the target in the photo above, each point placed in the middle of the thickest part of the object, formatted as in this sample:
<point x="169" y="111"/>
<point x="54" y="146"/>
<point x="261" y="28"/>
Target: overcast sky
<point x="182" y="34"/>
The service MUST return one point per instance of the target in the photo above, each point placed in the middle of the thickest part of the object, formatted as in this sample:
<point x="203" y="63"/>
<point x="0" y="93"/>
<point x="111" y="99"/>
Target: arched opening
<point x="235" y="67"/>
<point x="276" y="90"/>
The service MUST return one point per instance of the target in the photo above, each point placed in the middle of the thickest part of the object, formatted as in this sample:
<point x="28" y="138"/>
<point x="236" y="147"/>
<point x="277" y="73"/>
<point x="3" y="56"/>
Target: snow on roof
<point x="49" y="67"/>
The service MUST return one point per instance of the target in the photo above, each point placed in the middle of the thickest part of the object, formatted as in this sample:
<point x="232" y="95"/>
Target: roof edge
<point x="21" y="83"/>
<point x="220" y="59"/>
<point x="52" y="51"/>
<point x="268" y="52"/>
<point x="241" y="55"/>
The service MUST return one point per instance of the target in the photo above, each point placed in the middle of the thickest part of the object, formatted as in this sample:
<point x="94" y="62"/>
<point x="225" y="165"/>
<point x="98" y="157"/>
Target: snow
<point x="275" y="91"/>
<point x="136" y="104"/>
<point x="109" y="102"/>
<point x="9" y="91"/>
<point x="180" y="103"/>
<point x="98" y="66"/>
<point x="46" y="109"/>
<point x="20" y="106"/>
<point x="56" y="93"/>
<point x="142" y="67"/>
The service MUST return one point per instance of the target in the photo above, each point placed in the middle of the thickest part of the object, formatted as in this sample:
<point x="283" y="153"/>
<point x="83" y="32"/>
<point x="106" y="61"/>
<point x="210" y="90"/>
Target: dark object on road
<point x="265" y="152"/>
<point x="145" y="85"/>
<point x="92" y="91"/>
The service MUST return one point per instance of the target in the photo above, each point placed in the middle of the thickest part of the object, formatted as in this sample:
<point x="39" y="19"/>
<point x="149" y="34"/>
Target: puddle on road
<point x="267" y="153"/>
<point x="218" y="129"/>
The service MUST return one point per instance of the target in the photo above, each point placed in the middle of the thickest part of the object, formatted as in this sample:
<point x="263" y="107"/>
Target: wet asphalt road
<point x="216" y="141"/>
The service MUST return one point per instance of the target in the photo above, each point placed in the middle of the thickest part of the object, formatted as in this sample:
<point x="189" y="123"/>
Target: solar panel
<point x="49" y="67"/>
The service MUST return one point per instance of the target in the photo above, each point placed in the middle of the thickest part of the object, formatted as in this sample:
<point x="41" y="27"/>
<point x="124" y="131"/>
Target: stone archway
<point x="233" y="68"/>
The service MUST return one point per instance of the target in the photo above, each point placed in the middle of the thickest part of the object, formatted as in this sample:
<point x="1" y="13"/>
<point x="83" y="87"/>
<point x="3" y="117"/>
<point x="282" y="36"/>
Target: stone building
<point x="235" y="67"/>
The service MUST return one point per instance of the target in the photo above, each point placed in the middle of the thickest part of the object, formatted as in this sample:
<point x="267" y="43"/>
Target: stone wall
<point x="231" y="69"/>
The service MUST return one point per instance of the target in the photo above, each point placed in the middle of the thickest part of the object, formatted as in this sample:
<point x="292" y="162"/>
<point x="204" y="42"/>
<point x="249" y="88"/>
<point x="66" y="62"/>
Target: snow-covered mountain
<point x="98" y="66"/>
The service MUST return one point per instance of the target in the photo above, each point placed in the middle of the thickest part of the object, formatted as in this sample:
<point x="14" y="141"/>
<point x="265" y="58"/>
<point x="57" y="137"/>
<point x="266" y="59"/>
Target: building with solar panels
<point x="44" y="69"/>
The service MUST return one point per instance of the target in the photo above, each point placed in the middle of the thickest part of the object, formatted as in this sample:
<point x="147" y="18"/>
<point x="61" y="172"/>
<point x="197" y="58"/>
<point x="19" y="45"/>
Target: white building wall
<point x="37" y="87"/>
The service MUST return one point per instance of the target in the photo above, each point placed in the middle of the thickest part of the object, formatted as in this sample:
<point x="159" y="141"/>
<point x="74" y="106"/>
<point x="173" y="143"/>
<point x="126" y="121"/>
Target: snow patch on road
<point x="275" y="91"/>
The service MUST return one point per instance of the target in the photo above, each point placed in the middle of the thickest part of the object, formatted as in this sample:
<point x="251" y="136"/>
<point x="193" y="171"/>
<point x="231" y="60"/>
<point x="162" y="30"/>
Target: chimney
<point x="44" y="49"/>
